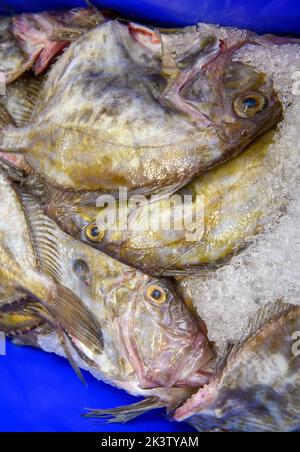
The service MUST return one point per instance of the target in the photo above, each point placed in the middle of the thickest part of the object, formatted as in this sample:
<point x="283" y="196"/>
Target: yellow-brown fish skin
<point x="112" y="117"/>
<point x="236" y="200"/>
<point x="259" y="388"/>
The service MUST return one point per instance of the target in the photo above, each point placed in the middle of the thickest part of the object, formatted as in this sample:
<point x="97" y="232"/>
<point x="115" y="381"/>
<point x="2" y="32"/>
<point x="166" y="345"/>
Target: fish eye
<point x="249" y="105"/>
<point x="93" y="233"/>
<point x="156" y="294"/>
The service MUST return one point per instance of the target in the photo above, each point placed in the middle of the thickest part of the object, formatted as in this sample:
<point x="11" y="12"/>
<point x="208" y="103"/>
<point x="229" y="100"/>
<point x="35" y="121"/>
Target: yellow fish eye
<point x="248" y="105"/>
<point x="157" y="294"/>
<point x="93" y="233"/>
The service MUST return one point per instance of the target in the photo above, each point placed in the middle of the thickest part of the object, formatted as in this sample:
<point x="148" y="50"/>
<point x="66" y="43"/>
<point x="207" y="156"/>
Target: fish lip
<point x="198" y="401"/>
<point x="197" y="379"/>
<point x="200" y="354"/>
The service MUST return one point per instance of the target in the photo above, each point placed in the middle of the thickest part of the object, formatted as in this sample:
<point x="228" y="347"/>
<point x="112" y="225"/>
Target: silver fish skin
<point x="143" y="111"/>
<point x="257" y="389"/>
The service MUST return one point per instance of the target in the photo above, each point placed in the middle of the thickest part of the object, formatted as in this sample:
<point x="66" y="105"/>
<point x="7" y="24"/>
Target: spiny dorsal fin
<point x="43" y="236"/>
<point x="65" y="307"/>
<point x="169" y="67"/>
<point x="265" y="314"/>
<point x="223" y="355"/>
<point x="261" y="318"/>
<point x="14" y="324"/>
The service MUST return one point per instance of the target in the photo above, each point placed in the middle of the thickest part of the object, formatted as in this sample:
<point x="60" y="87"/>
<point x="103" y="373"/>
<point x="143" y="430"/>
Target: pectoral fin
<point x="75" y="319"/>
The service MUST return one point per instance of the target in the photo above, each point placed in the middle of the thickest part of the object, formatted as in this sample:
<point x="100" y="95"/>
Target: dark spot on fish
<point x="81" y="269"/>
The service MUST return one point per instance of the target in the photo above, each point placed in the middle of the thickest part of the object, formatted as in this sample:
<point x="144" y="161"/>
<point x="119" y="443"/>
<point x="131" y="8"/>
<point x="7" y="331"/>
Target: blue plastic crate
<point x="268" y="16"/>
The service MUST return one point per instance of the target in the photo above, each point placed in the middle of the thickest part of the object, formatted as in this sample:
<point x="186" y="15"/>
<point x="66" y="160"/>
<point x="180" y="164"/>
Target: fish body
<point x="229" y="206"/>
<point x="161" y="340"/>
<point x="122" y="110"/>
<point x="257" y="390"/>
<point x="152" y="345"/>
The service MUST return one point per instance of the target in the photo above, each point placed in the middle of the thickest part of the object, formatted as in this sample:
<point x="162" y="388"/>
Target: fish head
<point x="148" y="329"/>
<point x="161" y="338"/>
<point x="239" y="103"/>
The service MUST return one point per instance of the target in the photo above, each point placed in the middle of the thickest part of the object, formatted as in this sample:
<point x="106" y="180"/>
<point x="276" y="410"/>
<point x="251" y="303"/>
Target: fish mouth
<point x="204" y="397"/>
<point x="201" y="356"/>
<point x="189" y="373"/>
<point x="197" y="380"/>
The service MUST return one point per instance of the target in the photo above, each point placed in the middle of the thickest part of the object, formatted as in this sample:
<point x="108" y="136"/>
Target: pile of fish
<point x="93" y="107"/>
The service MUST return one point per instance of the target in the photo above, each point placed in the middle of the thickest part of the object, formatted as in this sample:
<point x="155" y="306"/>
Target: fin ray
<point x="19" y="107"/>
<point x="43" y="236"/>
<point x="125" y="413"/>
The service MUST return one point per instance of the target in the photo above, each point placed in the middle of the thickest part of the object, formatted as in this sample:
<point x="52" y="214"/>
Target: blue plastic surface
<point x="267" y="16"/>
<point x="38" y="391"/>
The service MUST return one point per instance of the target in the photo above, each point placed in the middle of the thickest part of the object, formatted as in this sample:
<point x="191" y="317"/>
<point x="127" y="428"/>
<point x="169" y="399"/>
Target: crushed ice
<point x="269" y="269"/>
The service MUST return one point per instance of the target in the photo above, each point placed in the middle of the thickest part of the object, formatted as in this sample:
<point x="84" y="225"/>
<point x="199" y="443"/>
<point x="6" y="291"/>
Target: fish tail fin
<point x="75" y="319"/>
<point x="125" y="413"/>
